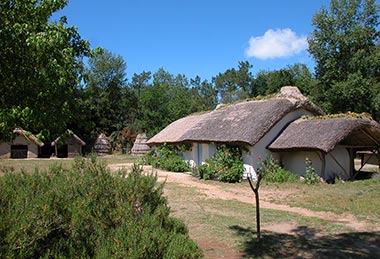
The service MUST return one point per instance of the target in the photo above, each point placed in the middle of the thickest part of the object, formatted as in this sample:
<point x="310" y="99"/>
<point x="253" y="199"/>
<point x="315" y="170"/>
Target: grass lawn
<point x="361" y="198"/>
<point x="29" y="165"/>
<point x="231" y="224"/>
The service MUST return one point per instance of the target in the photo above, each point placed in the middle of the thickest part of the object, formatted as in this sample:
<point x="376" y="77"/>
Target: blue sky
<point x="198" y="37"/>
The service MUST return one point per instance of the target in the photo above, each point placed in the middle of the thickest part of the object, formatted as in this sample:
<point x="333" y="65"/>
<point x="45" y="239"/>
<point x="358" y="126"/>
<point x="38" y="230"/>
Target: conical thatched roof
<point x="245" y="122"/>
<point x="102" y="145"/>
<point x="140" y="146"/>
<point x="324" y="133"/>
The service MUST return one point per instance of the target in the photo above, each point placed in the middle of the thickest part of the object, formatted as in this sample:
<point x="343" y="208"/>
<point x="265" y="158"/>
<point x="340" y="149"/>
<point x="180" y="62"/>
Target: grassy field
<point x="29" y="165"/>
<point x="227" y="229"/>
<point x="221" y="225"/>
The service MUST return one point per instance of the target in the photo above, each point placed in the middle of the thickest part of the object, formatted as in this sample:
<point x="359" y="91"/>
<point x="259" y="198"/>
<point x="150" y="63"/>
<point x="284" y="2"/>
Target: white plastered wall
<point x="296" y="161"/>
<point x="208" y="151"/>
<point x="337" y="162"/>
<point x="259" y="152"/>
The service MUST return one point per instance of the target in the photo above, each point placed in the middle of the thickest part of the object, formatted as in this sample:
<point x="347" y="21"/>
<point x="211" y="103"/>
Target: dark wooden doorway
<point x="19" y="151"/>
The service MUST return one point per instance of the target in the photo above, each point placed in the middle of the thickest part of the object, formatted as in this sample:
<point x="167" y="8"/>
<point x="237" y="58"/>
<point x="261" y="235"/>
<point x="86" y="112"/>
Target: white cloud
<point x="276" y="44"/>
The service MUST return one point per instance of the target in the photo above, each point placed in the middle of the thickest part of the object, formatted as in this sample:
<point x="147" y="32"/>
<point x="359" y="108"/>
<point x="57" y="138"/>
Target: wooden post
<point x="352" y="163"/>
<point x="378" y="157"/>
<point x="322" y="157"/>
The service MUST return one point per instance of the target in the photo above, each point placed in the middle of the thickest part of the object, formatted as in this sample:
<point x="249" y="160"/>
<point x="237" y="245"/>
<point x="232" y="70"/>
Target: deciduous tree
<point x="345" y="46"/>
<point x="40" y="64"/>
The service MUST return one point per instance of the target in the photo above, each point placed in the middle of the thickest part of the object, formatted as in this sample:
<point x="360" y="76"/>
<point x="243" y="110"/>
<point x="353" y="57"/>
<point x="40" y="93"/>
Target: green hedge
<point x="167" y="158"/>
<point x="85" y="212"/>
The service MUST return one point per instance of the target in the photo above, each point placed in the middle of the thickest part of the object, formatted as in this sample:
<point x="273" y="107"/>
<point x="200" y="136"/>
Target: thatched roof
<point x="29" y="136"/>
<point x="68" y="135"/>
<point x="245" y="122"/>
<point x="102" y="145"/>
<point x="140" y="147"/>
<point x="324" y="133"/>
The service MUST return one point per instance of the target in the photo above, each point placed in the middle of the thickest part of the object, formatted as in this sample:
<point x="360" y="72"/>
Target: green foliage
<point x="166" y="157"/>
<point x="41" y="63"/>
<point x="86" y="212"/>
<point x="226" y="165"/>
<point x="229" y="163"/>
<point x="207" y="170"/>
<point x="234" y="85"/>
<point x="345" y="47"/>
<point x="107" y="100"/>
<point x="174" y="164"/>
<point x="273" y="172"/>
<point x="233" y="174"/>
<point x="311" y="177"/>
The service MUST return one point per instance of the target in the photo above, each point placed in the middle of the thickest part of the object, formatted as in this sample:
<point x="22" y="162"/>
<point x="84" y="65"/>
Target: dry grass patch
<point x="286" y="234"/>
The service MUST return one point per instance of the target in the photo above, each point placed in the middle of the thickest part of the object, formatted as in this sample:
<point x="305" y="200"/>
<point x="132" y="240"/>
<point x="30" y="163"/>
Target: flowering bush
<point x="311" y="177"/>
<point x="226" y="165"/>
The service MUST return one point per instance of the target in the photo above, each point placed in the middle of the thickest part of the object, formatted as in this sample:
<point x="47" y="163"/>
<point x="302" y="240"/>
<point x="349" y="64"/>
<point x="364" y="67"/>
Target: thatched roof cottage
<point x="68" y="145"/>
<point x="253" y="124"/>
<point x="23" y="145"/>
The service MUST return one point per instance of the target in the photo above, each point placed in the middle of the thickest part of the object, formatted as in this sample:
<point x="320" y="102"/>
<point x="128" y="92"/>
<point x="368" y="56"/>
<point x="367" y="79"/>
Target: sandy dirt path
<point x="244" y="194"/>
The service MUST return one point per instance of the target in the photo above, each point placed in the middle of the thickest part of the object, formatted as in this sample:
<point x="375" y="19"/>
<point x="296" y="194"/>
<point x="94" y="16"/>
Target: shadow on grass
<point x="305" y="242"/>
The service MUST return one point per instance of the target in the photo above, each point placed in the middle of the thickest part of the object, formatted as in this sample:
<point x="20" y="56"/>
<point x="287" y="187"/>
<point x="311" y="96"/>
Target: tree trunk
<point x="255" y="190"/>
<point x="258" y="215"/>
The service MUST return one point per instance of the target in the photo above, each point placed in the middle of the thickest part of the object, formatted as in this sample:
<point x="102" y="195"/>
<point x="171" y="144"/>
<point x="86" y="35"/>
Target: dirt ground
<point x="244" y="194"/>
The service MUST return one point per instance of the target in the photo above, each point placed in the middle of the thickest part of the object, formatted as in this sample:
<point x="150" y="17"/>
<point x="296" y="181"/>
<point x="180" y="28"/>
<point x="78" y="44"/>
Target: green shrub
<point x="233" y="174"/>
<point x="174" y="163"/>
<point x="148" y="158"/>
<point x="226" y="165"/>
<point x="311" y="177"/>
<point x="207" y="170"/>
<point x="166" y="157"/>
<point x="273" y="172"/>
<point x="87" y="212"/>
<point x="229" y="163"/>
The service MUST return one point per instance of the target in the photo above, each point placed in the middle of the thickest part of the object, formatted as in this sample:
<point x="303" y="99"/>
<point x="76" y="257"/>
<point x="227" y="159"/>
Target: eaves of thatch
<point x="175" y="131"/>
<point x="29" y="136"/>
<point x="245" y="122"/>
<point x="324" y="133"/>
<point x="67" y="135"/>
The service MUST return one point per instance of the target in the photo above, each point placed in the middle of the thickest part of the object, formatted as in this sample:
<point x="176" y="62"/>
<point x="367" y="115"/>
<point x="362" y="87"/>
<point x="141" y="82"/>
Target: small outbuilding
<point x="140" y="147"/>
<point x="23" y="145"/>
<point x="68" y="145"/>
<point x="331" y="143"/>
<point x="102" y="145"/>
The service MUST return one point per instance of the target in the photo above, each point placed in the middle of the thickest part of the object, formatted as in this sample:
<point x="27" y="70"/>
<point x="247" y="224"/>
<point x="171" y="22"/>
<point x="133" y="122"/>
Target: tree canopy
<point x="41" y="63"/>
<point x="345" y="46"/>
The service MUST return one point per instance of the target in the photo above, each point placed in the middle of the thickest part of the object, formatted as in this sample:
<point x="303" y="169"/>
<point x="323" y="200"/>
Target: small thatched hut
<point x="24" y="145"/>
<point x="102" y="145"/>
<point x="68" y="145"/>
<point x="140" y="147"/>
